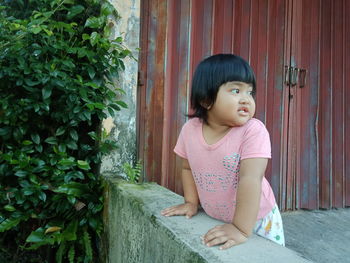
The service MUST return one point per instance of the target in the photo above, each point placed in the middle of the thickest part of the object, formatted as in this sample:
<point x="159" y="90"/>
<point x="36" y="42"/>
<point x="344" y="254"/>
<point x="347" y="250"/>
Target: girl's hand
<point x="186" y="209"/>
<point x="226" y="234"/>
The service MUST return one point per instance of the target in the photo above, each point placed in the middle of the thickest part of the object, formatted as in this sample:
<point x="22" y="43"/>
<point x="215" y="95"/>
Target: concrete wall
<point x="136" y="232"/>
<point x="122" y="127"/>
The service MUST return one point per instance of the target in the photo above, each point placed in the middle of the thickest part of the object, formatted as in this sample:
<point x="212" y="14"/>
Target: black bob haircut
<point x="210" y="74"/>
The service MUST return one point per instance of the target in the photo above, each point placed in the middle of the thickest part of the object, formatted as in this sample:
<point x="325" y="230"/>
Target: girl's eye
<point x="235" y="91"/>
<point x="251" y="93"/>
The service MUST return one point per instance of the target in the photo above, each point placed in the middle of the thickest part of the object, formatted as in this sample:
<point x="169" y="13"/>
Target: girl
<point x="224" y="153"/>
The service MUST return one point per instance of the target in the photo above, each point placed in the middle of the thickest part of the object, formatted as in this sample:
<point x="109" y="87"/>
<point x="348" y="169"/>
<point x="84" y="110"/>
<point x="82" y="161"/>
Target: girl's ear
<point x="206" y="105"/>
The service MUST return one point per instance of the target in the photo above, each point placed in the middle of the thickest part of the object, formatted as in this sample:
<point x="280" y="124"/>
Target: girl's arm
<point x="247" y="206"/>
<point x="190" y="207"/>
<point x="248" y="194"/>
<point x="188" y="184"/>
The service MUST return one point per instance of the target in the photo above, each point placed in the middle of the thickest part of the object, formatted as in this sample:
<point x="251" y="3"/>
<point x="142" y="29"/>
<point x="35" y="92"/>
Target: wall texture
<point x="122" y="127"/>
<point x="137" y="233"/>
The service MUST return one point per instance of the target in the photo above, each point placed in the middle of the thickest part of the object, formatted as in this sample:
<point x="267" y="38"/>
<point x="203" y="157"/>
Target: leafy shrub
<point x="57" y="65"/>
<point x="133" y="172"/>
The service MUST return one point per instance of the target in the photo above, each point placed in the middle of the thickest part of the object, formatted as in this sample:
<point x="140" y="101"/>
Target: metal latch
<point x="292" y="76"/>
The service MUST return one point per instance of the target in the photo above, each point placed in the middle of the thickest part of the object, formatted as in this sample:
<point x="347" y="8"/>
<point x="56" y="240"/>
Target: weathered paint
<point x="122" y="128"/>
<point x="310" y="152"/>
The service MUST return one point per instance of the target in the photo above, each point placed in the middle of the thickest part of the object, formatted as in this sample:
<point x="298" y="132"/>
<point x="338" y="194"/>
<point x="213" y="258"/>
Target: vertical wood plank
<point x="325" y="108"/>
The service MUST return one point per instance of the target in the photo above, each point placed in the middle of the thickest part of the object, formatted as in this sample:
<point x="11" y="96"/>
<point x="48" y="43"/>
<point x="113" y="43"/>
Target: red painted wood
<point x="141" y="91"/>
<point x="325" y="105"/>
<point x="176" y="90"/>
<point x="338" y="105"/>
<point x="222" y="26"/>
<point x="346" y="61"/>
<point x="307" y="144"/>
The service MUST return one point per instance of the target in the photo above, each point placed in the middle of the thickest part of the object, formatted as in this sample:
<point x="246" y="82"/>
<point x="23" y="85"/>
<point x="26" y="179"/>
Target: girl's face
<point x="234" y="104"/>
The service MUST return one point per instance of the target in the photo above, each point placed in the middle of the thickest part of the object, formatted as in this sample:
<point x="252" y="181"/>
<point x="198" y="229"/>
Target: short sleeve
<point x="180" y="148"/>
<point x="256" y="142"/>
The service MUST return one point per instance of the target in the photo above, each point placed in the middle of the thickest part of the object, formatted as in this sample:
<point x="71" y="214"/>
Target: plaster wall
<point x="122" y="128"/>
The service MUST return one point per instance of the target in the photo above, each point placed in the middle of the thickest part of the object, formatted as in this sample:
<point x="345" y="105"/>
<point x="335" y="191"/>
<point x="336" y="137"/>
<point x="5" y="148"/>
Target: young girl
<point x="224" y="153"/>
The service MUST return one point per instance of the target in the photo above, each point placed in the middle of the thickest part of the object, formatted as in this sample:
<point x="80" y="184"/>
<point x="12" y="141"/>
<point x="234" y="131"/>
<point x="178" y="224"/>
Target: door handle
<point x="294" y="76"/>
<point x="286" y="75"/>
<point x="302" y="73"/>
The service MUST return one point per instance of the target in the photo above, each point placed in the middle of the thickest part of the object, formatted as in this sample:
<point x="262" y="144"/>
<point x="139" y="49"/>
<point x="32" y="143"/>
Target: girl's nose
<point x="244" y="99"/>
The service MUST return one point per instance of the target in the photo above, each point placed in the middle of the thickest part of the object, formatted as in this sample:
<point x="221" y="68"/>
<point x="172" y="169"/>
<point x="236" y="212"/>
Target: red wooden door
<point x="319" y="120"/>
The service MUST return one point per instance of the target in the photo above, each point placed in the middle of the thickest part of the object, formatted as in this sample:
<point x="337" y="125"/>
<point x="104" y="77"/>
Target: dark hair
<point x="210" y="74"/>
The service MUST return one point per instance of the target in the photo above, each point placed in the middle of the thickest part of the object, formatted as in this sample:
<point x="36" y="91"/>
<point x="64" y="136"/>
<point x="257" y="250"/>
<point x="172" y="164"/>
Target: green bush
<point x="57" y="66"/>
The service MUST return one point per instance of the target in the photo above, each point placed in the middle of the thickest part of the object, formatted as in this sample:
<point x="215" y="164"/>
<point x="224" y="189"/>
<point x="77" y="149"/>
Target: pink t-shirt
<point x="215" y="167"/>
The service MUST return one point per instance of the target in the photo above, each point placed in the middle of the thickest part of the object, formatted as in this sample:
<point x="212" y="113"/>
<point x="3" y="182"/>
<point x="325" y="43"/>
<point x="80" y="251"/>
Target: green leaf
<point x="68" y="63"/>
<point x="60" y="130"/>
<point x="75" y="10"/>
<point x="34" y="179"/>
<point x="83" y="165"/>
<point x="71" y="254"/>
<point x="61" y="250"/>
<point x="87" y="245"/>
<point x="74" y="189"/>
<point x="51" y="140"/>
<point x="72" y="145"/>
<point x="91" y="72"/>
<point x="9" y="208"/>
<point x="115" y="106"/>
<point x="35" y="138"/>
<point x="39" y="148"/>
<point x="85" y="36"/>
<point x="21" y="173"/>
<point x="37" y="236"/>
<point x="94" y="22"/>
<point x="99" y="106"/>
<point x="35" y="29"/>
<point x="27" y="142"/>
<point x="10" y="223"/>
<point x="92" y="85"/>
<point x="31" y="83"/>
<point x="94" y="38"/>
<point x="67" y="162"/>
<point x="122" y="103"/>
<point x="111" y="111"/>
<point x="107" y="9"/>
<point x="42" y="196"/>
<point x="62" y="148"/>
<point x="74" y="135"/>
<point x="4" y="131"/>
<point x="70" y="232"/>
<point x="46" y="93"/>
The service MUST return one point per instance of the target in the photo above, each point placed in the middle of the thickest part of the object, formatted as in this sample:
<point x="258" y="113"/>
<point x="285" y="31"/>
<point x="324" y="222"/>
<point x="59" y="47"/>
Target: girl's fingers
<point x="172" y="211"/>
<point x="212" y="233"/>
<point x="169" y="209"/>
<point x="229" y="243"/>
<point x="217" y="241"/>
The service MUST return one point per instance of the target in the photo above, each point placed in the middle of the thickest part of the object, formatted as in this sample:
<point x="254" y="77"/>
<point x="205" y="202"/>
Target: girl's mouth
<point x="243" y="110"/>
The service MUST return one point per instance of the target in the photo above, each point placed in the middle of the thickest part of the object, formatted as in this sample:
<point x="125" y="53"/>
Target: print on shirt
<point x="220" y="182"/>
<point x="220" y="210"/>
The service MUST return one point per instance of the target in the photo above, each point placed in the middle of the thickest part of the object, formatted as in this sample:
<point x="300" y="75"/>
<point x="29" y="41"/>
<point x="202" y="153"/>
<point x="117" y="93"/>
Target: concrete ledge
<point x="138" y="233"/>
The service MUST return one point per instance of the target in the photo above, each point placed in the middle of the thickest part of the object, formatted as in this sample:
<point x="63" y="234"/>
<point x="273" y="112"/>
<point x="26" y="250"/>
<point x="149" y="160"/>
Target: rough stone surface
<point x="321" y="236"/>
<point x="123" y="126"/>
<point x="138" y="233"/>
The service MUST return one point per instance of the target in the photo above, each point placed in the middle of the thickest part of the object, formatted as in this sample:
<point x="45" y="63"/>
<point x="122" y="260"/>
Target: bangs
<point x="228" y="69"/>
